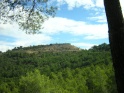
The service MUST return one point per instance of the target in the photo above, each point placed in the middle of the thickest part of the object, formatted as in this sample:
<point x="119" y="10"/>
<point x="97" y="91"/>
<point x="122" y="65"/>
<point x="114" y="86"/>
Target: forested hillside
<point x="57" y="69"/>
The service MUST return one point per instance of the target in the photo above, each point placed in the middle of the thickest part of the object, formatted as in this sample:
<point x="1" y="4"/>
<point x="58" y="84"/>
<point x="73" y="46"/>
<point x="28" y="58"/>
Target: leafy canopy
<point x="29" y="14"/>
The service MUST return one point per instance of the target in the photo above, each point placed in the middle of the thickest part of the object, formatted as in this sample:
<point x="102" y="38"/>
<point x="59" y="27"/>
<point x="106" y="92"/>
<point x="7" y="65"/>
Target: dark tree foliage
<point x="102" y="47"/>
<point x="116" y="38"/>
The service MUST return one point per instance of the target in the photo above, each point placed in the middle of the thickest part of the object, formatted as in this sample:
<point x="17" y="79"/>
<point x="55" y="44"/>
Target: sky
<point x="79" y="22"/>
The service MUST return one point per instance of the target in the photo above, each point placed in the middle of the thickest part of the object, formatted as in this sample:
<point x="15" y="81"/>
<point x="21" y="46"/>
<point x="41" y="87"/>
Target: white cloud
<point x="94" y="5"/>
<point x="20" y="37"/>
<point x="99" y="19"/>
<point x="76" y="3"/>
<point x="83" y="45"/>
<point x="87" y="4"/>
<point x="122" y="5"/>
<point x="89" y="31"/>
<point x="5" y="46"/>
<point x="99" y="11"/>
<point x="58" y="24"/>
<point x="51" y="27"/>
<point x="99" y="3"/>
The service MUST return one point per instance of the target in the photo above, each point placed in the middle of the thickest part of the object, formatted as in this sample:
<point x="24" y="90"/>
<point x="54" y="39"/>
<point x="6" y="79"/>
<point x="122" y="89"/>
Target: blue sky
<point x="79" y="22"/>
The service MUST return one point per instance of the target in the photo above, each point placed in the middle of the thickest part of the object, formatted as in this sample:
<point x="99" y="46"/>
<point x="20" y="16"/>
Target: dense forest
<point x="57" y="68"/>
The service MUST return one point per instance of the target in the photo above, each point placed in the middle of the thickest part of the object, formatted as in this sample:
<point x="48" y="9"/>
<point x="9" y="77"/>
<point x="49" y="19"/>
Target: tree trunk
<point x="116" y="39"/>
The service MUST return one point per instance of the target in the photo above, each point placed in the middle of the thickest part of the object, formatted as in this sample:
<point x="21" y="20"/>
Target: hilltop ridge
<point x="58" y="47"/>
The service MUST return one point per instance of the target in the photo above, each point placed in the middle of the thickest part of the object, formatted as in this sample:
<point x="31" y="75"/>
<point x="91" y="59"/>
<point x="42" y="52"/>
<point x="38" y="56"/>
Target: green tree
<point x="116" y="39"/>
<point x="34" y="82"/>
<point x="8" y="87"/>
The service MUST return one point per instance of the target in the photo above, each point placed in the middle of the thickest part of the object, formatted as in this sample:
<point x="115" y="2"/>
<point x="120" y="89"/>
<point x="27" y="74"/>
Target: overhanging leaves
<point x="29" y="14"/>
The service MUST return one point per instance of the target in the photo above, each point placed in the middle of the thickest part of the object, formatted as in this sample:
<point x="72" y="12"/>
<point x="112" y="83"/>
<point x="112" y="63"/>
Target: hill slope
<point x="84" y="71"/>
<point x="48" y="48"/>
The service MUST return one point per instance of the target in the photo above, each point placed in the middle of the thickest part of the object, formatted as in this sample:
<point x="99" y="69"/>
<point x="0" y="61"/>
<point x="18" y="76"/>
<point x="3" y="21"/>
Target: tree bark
<point x="116" y="39"/>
